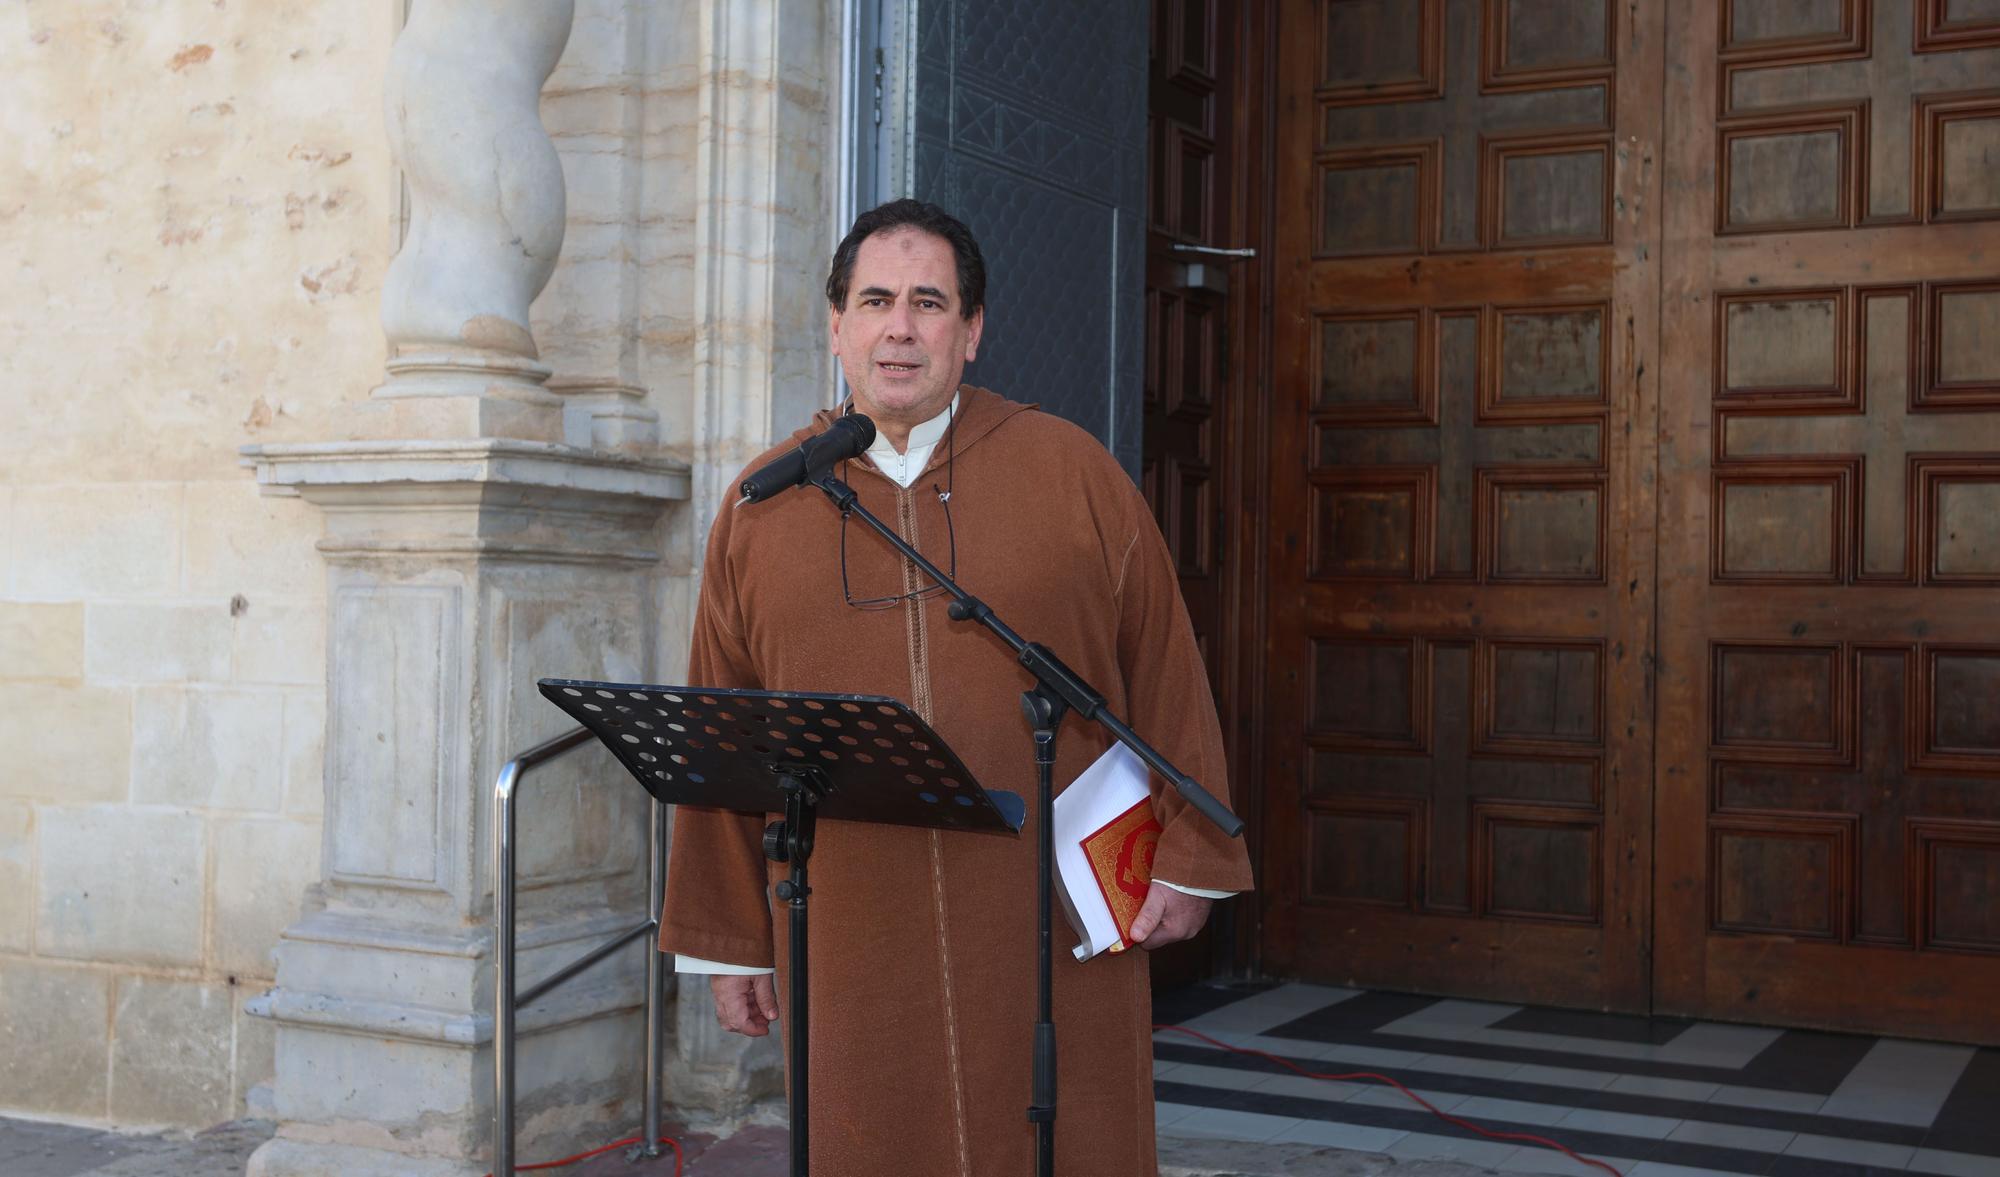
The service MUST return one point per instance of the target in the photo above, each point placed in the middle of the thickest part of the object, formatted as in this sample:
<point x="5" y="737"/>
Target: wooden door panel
<point x="1461" y="560"/>
<point x="1830" y="488"/>
<point x="1376" y="703"/>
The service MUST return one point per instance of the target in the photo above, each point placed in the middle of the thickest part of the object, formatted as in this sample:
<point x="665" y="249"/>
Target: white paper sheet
<point x="1116" y="782"/>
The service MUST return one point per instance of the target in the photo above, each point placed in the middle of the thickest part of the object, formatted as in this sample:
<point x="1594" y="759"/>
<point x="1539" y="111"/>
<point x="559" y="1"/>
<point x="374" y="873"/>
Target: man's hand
<point x="1169" y="917"/>
<point x="744" y="1005"/>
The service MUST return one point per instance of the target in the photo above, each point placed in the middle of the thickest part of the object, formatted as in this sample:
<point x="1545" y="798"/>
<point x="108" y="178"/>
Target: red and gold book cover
<point x="1121" y="860"/>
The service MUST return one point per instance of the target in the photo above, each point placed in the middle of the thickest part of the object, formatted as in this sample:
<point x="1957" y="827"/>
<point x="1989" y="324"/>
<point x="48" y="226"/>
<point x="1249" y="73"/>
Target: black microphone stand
<point x="1058" y="691"/>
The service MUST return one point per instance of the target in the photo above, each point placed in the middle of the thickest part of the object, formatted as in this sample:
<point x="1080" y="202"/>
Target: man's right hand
<point x="744" y="1005"/>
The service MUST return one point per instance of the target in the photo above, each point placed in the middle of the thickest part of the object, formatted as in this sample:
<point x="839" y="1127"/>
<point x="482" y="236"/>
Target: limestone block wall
<point x="195" y="233"/>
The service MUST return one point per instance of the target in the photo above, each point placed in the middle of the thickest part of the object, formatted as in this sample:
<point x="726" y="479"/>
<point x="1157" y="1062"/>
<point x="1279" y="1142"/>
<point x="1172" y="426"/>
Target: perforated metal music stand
<point x="860" y="758"/>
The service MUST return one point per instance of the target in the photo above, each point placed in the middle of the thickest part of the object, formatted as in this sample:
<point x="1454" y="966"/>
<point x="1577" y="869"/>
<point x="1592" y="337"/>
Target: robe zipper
<point x="921" y="703"/>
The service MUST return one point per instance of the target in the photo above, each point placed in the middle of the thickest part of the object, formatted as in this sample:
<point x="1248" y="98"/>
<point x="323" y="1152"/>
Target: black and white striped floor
<point x="1654" y="1097"/>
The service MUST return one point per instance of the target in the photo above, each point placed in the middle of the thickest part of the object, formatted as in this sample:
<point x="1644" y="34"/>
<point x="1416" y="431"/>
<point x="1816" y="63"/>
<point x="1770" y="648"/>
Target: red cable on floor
<point x="1468" y="1125"/>
<point x="669" y="1141"/>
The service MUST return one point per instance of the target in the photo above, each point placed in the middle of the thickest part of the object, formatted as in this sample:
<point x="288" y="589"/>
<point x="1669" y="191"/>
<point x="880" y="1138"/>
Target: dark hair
<point x="911" y="214"/>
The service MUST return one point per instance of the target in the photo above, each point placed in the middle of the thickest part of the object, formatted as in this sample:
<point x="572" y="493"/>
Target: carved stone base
<point x="458" y="573"/>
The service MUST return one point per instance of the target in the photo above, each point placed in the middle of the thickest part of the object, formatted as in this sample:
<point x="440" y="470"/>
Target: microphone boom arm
<point x="1055" y="677"/>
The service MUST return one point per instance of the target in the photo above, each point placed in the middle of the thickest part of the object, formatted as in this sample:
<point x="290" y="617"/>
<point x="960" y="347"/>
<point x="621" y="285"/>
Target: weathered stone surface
<point x="581" y="815"/>
<point x="714" y="1070"/>
<point x="208" y="747"/>
<point x="280" y="641"/>
<point x="79" y="542"/>
<point x="71" y="744"/>
<point x="170" y="1052"/>
<point x="120" y="885"/>
<point x="41" y="641"/>
<point x="305" y="742"/>
<point x="6" y="538"/>
<point x="580" y="1083"/>
<point x="392" y="1094"/>
<point x="297" y="1158"/>
<point x="254" y="1065"/>
<point x="17" y="879"/>
<point x="158" y="642"/>
<point x="195" y="220"/>
<point x="262" y="870"/>
<point x="196" y="226"/>
<point x="595" y="108"/>
<point x="389" y="770"/>
<point x="58" y="1016"/>
<point x="239" y="542"/>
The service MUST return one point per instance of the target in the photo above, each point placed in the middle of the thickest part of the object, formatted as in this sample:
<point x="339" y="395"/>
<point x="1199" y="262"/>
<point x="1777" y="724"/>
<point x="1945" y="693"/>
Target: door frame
<point x="1233" y="949"/>
<point x="1239" y="940"/>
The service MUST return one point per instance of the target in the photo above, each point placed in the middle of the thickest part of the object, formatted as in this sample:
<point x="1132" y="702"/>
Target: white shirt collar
<point x="906" y="466"/>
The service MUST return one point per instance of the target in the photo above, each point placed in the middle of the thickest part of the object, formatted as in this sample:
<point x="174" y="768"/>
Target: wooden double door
<point x="1630" y="561"/>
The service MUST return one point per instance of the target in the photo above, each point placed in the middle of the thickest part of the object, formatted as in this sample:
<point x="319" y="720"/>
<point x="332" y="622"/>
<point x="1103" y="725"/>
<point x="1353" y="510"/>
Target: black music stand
<point x="861" y="758"/>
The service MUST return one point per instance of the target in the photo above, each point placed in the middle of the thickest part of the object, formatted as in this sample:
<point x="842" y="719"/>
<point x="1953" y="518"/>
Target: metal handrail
<point x="506" y="1001"/>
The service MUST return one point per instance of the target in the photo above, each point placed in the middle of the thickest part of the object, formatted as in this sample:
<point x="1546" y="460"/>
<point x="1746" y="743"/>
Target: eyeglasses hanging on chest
<point x="928" y="589"/>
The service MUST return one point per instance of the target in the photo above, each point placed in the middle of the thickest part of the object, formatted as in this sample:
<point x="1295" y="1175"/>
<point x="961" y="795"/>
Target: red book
<point x="1120" y="854"/>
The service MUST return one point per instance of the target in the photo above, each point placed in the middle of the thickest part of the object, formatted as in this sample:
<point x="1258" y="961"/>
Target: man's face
<point x="901" y="339"/>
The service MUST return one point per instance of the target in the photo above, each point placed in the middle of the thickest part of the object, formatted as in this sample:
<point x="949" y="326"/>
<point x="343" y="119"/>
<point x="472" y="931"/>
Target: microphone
<point x="849" y="436"/>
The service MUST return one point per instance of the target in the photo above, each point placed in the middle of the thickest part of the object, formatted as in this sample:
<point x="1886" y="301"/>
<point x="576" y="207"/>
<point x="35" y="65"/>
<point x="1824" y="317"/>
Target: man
<point x="923" y="961"/>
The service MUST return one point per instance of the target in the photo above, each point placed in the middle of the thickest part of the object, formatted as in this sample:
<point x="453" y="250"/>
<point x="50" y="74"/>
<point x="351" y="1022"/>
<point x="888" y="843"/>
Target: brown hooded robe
<point x="923" y="946"/>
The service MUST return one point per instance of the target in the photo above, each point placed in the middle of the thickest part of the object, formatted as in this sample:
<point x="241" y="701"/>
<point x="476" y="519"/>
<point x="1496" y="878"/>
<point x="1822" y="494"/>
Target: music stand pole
<point x="1039" y="661"/>
<point x="791" y="841"/>
<point x="681" y="744"/>
<point x="1045" y="710"/>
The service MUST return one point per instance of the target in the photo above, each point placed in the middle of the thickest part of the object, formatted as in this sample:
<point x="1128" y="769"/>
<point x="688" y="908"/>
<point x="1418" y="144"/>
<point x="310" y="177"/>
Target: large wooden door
<point x="1829" y="831"/>
<point x="1461" y="554"/>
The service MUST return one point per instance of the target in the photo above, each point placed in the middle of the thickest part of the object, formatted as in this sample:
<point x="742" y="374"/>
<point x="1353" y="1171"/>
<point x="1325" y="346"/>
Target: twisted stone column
<point x="486" y="218"/>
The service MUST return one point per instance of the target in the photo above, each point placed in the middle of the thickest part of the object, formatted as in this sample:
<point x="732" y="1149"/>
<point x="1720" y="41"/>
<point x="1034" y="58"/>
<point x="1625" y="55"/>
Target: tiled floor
<point x="1653" y="1097"/>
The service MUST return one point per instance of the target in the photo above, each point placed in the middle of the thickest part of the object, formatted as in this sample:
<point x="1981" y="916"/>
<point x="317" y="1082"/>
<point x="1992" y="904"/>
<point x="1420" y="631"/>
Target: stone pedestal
<point x="459" y="573"/>
<point x="472" y="544"/>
